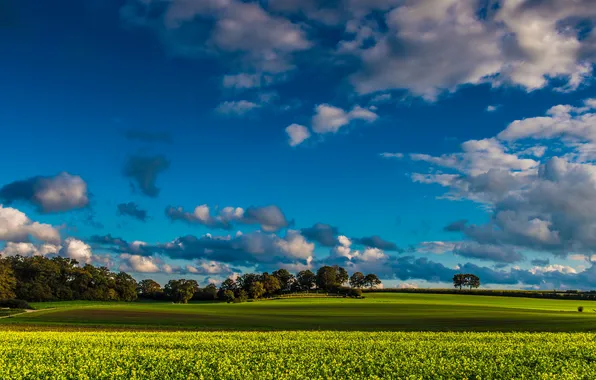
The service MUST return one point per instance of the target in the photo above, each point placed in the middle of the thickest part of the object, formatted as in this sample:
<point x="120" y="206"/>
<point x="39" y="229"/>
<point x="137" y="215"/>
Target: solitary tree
<point x="357" y="280"/>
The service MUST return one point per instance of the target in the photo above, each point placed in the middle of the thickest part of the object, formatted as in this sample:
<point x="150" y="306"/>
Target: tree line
<point x="39" y="279"/>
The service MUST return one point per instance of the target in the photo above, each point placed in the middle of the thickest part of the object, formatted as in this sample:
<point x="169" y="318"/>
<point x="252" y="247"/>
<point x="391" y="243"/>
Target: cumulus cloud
<point x="242" y="81"/>
<point x="202" y="215"/>
<point x="391" y="155"/>
<point x="250" y="249"/>
<point x="269" y="218"/>
<point x="119" y="245"/>
<point x="377" y="242"/>
<point x="138" y="264"/>
<point x="330" y="119"/>
<point x="426" y="47"/>
<point x="297" y="134"/>
<point x="16" y="227"/>
<point x="77" y="250"/>
<point x="63" y="192"/>
<point x="499" y="254"/>
<point x="132" y="209"/>
<point x="522" y="42"/>
<point x="436" y="247"/>
<point x="321" y="233"/>
<point x="543" y="205"/>
<point x="210" y="268"/>
<point x="144" y="170"/>
<point x="236" y="108"/>
<point x="29" y="249"/>
<point x="243" y="32"/>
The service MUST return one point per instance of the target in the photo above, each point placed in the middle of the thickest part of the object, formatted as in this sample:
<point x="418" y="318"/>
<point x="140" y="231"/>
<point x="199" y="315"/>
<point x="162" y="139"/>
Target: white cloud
<point x="544" y="205"/>
<point x="140" y="264"/>
<point x="520" y="42"/>
<point x="242" y="81"/>
<point x="329" y="119"/>
<point x="492" y="108"/>
<point x="407" y="285"/>
<point x="236" y="108"/>
<point x="29" y="249"/>
<point x="15" y="226"/>
<point x="77" y="250"/>
<point x="391" y="155"/>
<point x="478" y="157"/>
<point x="245" y="33"/>
<point x="553" y="268"/>
<point x="436" y="247"/>
<point x="297" y="134"/>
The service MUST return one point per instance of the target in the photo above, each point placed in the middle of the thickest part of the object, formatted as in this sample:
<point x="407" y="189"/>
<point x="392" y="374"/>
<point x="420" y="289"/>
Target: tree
<point x="209" y="292"/>
<point x="149" y="288"/>
<point x="357" y="280"/>
<point x="256" y="290"/>
<point x="180" y="291"/>
<point x="270" y="283"/>
<point x="125" y="287"/>
<point x="242" y="295"/>
<point x="228" y="284"/>
<point x="8" y="281"/>
<point x="228" y="296"/>
<point x="286" y="279"/>
<point x="306" y="280"/>
<point x="472" y="281"/>
<point x="327" y="278"/>
<point x="341" y="275"/>
<point x="459" y="280"/>
<point x="246" y="280"/>
<point x="371" y="280"/>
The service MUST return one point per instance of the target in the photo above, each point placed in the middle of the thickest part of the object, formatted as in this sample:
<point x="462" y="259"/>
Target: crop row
<point x="295" y="355"/>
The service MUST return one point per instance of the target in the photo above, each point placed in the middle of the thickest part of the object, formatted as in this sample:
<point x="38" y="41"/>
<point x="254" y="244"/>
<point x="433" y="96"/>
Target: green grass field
<point x="377" y="312"/>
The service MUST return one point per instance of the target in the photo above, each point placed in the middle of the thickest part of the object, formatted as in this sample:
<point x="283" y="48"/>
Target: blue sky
<point x="388" y="119"/>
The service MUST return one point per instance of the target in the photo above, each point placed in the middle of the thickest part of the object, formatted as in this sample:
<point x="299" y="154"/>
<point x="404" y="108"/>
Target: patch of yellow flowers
<point x="296" y="355"/>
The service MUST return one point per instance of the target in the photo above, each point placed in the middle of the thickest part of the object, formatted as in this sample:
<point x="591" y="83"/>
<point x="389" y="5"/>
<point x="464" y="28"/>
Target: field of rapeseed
<point x="292" y="355"/>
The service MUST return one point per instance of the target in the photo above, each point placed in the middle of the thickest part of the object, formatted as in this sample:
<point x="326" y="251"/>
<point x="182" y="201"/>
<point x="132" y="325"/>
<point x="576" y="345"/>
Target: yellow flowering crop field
<point x="296" y="355"/>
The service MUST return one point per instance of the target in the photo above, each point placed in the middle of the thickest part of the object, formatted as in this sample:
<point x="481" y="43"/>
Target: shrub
<point x="15" y="304"/>
<point x="355" y="293"/>
<point x="580" y="309"/>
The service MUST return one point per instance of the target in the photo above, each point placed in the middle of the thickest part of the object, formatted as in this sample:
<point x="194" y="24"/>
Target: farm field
<point x="377" y="312"/>
<point x="294" y="355"/>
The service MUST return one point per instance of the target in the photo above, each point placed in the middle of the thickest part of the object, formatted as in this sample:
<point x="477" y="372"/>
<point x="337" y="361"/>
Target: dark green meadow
<point x="377" y="312"/>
